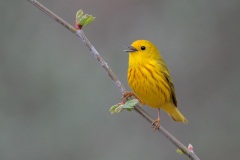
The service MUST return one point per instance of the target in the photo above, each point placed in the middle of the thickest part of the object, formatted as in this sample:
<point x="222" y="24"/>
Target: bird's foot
<point x="156" y="124"/>
<point x="129" y="94"/>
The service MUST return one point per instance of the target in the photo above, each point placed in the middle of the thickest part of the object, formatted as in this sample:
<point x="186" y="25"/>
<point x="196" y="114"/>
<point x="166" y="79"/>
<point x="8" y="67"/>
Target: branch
<point x="114" y="78"/>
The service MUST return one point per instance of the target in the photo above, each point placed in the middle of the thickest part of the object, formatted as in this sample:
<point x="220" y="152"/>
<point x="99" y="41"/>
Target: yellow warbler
<point x="149" y="78"/>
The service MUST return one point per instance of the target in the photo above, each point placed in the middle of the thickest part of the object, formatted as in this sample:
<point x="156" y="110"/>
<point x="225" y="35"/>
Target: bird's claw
<point x="156" y="124"/>
<point x="129" y="94"/>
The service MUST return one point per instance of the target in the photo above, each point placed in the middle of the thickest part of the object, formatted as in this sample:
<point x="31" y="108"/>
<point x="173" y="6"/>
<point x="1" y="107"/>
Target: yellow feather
<point x="149" y="78"/>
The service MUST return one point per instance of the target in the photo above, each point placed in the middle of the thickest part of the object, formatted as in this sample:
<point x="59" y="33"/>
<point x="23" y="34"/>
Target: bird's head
<point x="143" y="50"/>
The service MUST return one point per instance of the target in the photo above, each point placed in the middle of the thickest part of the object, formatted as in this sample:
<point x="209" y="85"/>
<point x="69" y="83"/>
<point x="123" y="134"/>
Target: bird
<point x="150" y="80"/>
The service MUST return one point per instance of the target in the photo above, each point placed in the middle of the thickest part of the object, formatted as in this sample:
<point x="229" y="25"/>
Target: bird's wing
<point x="166" y="74"/>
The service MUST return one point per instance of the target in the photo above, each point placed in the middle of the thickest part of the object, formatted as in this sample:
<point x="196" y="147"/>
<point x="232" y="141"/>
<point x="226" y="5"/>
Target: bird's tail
<point x="177" y="116"/>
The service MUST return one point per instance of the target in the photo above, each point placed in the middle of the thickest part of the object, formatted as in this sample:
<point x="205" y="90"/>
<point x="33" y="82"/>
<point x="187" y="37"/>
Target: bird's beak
<point x="130" y="49"/>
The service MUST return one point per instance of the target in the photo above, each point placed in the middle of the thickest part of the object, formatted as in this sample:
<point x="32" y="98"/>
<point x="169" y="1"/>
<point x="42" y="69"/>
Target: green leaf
<point x="112" y="109"/>
<point x="88" y="20"/>
<point x="82" y="19"/>
<point x="126" y="106"/>
<point x="79" y="14"/>
<point x="118" y="109"/>
<point x="130" y="104"/>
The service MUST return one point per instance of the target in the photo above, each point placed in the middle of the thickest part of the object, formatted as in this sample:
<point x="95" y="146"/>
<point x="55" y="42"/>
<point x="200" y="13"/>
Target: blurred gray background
<point x="55" y="97"/>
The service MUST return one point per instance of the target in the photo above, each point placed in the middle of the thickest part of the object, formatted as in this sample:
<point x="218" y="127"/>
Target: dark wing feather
<point x="166" y="74"/>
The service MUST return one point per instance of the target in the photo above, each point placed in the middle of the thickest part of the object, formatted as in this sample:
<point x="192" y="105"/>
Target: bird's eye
<point x="143" y="48"/>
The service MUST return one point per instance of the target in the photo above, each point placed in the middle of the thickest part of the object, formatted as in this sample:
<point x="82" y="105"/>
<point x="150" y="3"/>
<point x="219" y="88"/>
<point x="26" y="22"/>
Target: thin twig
<point x="114" y="78"/>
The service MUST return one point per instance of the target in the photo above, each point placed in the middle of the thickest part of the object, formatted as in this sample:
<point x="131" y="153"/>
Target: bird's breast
<point x="149" y="84"/>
